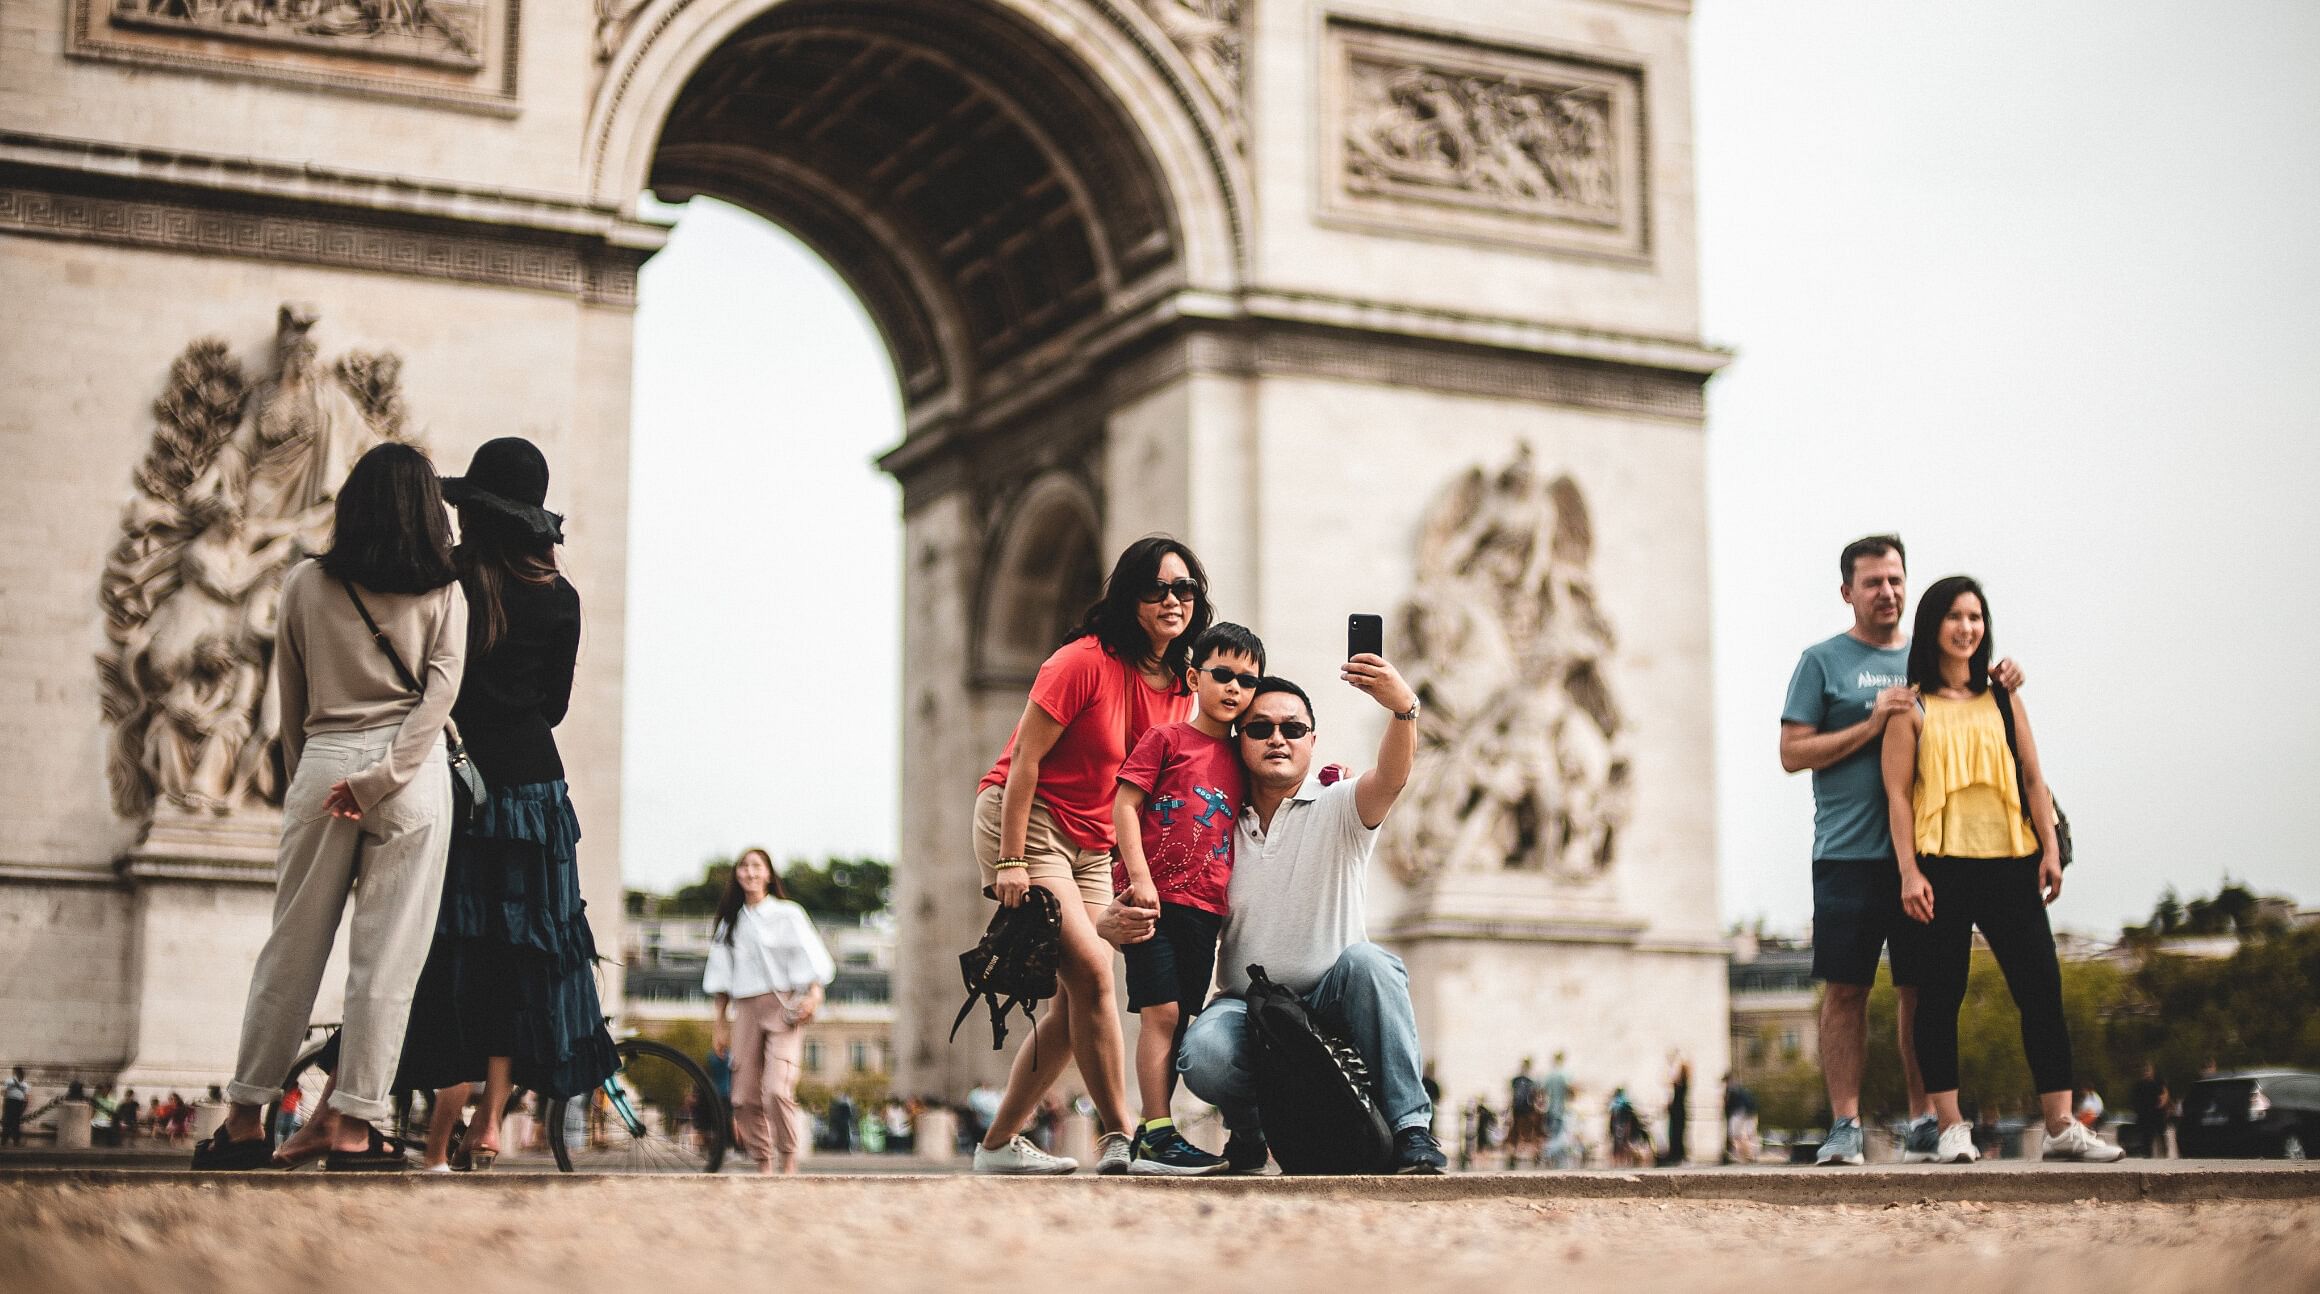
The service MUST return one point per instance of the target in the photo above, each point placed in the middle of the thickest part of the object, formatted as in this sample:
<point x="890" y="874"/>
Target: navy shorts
<point x="1856" y="916"/>
<point x="1177" y="962"/>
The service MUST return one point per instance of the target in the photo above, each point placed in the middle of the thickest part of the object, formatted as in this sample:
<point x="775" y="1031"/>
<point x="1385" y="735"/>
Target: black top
<point x="512" y="697"/>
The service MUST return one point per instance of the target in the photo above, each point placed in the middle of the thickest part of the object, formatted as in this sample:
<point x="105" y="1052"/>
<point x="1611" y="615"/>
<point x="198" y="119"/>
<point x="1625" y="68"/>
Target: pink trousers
<point x="768" y="1052"/>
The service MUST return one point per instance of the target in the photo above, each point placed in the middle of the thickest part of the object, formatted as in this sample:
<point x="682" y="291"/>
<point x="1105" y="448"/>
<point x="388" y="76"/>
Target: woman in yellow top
<point x="1973" y="853"/>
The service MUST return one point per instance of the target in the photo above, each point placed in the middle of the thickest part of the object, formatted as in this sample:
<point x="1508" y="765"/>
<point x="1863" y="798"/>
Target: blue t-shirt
<point x="1835" y="686"/>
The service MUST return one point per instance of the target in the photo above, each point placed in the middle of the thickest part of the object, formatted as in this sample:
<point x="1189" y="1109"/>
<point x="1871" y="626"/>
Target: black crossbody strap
<point x="2021" y="779"/>
<point x="403" y="672"/>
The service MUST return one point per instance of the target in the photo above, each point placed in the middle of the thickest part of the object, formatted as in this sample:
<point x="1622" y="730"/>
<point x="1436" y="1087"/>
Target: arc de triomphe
<point x="1385" y="305"/>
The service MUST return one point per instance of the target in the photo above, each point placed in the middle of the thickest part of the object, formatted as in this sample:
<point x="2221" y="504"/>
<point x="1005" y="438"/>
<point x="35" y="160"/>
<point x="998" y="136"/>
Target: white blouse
<point x="774" y="950"/>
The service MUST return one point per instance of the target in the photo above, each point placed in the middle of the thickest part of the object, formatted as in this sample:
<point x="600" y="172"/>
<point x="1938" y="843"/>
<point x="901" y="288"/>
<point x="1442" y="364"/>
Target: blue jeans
<point x="1367" y="990"/>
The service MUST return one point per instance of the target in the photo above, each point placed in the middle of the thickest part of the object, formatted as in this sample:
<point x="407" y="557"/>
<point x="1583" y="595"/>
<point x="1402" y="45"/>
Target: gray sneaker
<point x="1921" y="1144"/>
<point x="1843" y="1145"/>
<point x="1114" y="1154"/>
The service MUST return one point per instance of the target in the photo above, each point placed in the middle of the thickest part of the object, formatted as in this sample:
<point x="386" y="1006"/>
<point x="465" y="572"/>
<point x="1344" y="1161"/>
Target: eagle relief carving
<point x="1523" y="760"/>
<point x="238" y="484"/>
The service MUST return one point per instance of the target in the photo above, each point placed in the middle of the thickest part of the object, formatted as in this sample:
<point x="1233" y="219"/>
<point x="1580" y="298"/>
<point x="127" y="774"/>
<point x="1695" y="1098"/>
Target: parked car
<point x="2254" y="1114"/>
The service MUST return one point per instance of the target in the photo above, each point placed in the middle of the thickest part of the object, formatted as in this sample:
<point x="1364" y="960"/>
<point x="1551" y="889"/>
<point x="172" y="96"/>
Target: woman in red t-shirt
<point x="1043" y="816"/>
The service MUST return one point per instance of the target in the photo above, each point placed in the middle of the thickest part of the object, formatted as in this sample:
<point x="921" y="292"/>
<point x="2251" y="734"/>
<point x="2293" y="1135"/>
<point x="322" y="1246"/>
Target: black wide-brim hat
<point x="507" y="481"/>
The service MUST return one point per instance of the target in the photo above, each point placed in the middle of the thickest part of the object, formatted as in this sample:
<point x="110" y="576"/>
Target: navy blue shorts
<point x="1856" y="916"/>
<point x="1177" y="962"/>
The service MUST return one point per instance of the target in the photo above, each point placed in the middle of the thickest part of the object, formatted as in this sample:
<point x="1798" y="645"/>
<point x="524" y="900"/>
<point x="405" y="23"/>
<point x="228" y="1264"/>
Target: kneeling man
<point x="1301" y="857"/>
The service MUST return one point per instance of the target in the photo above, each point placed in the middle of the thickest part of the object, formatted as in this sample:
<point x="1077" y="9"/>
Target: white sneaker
<point x="1114" y="1152"/>
<point x="1957" y="1145"/>
<point x="1020" y="1158"/>
<point x="2077" y="1142"/>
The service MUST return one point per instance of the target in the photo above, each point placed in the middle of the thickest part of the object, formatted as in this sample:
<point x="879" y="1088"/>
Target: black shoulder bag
<point x="1017" y="959"/>
<point x="467" y="789"/>
<point x="2022" y="780"/>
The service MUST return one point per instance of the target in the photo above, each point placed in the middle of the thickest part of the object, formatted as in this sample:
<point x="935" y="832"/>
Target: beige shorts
<point x="1054" y="856"/>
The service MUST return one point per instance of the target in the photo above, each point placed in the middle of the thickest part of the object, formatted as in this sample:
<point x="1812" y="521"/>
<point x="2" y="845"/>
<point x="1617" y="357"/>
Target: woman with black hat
<point x="509" y="991"/>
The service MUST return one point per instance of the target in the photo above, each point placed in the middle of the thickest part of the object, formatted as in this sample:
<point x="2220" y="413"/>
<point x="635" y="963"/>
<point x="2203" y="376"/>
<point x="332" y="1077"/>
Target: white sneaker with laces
<point x="1114" y="1152"/>
<point x="1957" y="1145"/>
<point x="1020" y="1158"/>
<point x="2077" y="1142"/>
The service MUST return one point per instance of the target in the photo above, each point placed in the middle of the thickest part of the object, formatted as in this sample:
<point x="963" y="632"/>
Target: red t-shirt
<point x="1192" y="787"/>
<point x="1105" y="707"/>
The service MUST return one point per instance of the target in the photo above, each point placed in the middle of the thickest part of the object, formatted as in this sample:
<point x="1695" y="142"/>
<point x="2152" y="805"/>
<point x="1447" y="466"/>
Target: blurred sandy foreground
<point x="575" y="1235"/>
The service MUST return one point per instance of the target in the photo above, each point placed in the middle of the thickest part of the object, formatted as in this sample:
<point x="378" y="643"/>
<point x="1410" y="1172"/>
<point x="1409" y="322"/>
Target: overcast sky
<point x="2035" y="284"/>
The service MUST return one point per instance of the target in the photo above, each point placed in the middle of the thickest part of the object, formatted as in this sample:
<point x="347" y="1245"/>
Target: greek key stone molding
<point x="452" y="53"/>
<point x="1448" y="136"/>
<point x="548" y="262"/>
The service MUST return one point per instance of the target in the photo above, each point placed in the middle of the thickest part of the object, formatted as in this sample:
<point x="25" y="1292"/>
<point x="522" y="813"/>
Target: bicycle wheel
<point x="658" y="1113"/>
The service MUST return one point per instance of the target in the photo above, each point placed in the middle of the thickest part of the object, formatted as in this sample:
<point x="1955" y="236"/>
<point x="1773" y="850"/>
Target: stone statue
<point x="1529" y="148"/>
<point x="1208" y="32"/>
<point x="240" y="483"/>
<point x="1522" y="763"/>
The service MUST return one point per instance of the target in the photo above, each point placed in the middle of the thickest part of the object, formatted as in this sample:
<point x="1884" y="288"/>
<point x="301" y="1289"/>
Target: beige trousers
<point x="768" y="1052"/>
<point x="391" y="864"/>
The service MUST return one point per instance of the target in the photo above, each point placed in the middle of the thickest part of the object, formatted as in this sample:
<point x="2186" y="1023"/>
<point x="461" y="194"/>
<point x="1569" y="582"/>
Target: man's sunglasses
<point x="1262" y="729"/>
<point x="1185" y="590"/>
<point x="1226" y="674"/>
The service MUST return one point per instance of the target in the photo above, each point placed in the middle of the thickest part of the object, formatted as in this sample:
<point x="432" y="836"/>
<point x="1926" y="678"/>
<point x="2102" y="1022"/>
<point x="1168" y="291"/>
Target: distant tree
<point x="700" y="898"/>
<point x="840" y="888"/>
<point x="1788" y="1088"/>
<point x="2167" y="917"/>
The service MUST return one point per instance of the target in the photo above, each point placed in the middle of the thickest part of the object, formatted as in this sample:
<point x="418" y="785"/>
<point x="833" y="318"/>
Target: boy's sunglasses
<point x="1262" y="729"/>
<point x="1184" y="590"/>
<point x="1225" y="674"/>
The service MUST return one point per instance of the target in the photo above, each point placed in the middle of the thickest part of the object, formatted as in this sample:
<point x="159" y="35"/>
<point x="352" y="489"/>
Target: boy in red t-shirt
<point x="1179" y="799"/>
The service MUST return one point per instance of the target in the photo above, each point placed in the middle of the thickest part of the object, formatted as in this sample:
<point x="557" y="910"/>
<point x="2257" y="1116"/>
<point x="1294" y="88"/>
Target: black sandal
<point x="384" y="1154"/>
<point x="222" y="1154"/>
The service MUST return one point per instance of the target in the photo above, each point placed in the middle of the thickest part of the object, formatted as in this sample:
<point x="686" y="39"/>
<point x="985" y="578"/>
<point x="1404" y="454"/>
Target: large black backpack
<point x="1313" y="1088"/>
<point x="1016" y="960"/>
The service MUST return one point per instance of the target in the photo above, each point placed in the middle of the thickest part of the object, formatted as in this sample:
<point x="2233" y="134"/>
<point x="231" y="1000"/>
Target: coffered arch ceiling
<point x="986" y="197"/>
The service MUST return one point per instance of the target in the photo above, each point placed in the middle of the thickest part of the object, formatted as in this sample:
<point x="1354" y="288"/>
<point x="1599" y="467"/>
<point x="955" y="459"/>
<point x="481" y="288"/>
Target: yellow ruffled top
<point x="1967" y="801"/>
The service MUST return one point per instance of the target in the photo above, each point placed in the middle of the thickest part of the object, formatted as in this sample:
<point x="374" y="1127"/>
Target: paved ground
<point x="1798" y="1231"/>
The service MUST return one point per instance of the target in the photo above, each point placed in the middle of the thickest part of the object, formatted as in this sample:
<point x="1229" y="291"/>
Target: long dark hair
<point x="729" y="903"/>
<point x="1112" y="621"/>
<point x="390" y="533"/>
<point x="492" y="552"/>
<point x="1925" y="635"/>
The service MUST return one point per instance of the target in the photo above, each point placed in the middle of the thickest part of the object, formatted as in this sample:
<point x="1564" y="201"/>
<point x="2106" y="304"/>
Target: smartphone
<point x="1364" y="633"/>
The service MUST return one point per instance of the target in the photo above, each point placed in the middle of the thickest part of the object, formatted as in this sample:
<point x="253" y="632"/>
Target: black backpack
<point x="1016" y="960"/>
<point x="1313" y="1088"/>
<point x="2062" y="848"/>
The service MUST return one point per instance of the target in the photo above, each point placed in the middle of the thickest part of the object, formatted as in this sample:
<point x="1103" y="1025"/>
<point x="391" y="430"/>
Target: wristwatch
<point x="1411" y="713"/>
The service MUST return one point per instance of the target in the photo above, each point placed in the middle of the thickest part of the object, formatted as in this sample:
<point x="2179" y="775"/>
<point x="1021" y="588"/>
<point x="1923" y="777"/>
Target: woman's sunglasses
<point x="1185" y="590"/>
<point x="1226" y="674"/>
<point x="1262" y="729"/>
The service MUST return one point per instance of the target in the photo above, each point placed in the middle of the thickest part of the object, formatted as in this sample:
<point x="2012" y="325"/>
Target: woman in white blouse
<point x="766" y="962"/>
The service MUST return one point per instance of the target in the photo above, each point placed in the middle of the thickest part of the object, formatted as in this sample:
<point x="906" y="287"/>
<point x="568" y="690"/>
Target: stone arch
<point x="1001" y="181"/>
<point x="1043" y="567"/>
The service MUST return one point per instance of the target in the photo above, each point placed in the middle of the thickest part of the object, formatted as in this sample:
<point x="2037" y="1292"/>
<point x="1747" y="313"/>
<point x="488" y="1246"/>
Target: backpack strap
<point x="2021" y="779"/>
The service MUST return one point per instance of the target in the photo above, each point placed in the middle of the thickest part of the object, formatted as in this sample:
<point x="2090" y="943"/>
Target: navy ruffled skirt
<point x="512" y="971"/>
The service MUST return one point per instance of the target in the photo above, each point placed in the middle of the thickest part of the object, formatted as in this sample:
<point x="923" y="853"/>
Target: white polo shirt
<point x="1299" y="891"/>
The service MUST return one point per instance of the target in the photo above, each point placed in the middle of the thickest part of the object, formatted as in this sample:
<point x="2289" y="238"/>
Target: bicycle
<point x="657" y="1112"/>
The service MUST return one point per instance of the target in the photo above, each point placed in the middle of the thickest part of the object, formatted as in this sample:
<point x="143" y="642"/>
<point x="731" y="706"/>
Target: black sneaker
<point x="1245" y="1153"/>
<point x="1416" y="1152"/>
<point x="1165" y="1153"/>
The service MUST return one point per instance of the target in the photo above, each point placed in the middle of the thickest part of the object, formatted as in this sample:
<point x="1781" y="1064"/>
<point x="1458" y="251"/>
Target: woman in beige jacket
<point x="368" y="785"/>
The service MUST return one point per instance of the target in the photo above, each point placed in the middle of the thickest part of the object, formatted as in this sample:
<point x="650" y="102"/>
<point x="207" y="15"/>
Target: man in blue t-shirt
<point x="1844" y="690"/>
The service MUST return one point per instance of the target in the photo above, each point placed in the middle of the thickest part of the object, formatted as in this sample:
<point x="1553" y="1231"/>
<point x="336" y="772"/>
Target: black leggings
<point x="2000" y="895"/>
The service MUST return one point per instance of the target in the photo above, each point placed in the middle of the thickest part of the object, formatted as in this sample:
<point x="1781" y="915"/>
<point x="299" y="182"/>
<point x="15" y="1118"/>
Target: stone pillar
<point x="72" y="1125"/>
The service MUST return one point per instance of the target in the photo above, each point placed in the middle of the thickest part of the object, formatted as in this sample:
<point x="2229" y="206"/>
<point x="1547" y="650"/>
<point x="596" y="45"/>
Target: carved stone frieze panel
<point x="460" y="53"/>
<point x="238" y="484"/>
<point x="1428" y="133"/>
<point x="1524" y="762"/>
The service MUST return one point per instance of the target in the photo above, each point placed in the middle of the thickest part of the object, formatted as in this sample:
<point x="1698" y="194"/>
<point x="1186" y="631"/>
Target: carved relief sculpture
<point x="239" y="483"/>
<point x="1208" y="32"/>
<point x="1487" y="139"/>
<point x="1523" y="761"/>
<point x="428" y="31"/>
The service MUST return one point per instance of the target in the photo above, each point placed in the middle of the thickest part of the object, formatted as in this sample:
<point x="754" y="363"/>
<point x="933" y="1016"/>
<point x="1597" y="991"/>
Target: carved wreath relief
<point x="1523" y="761"/>
<point x="1479" y="139"/>
<point x="238" y="484"/>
